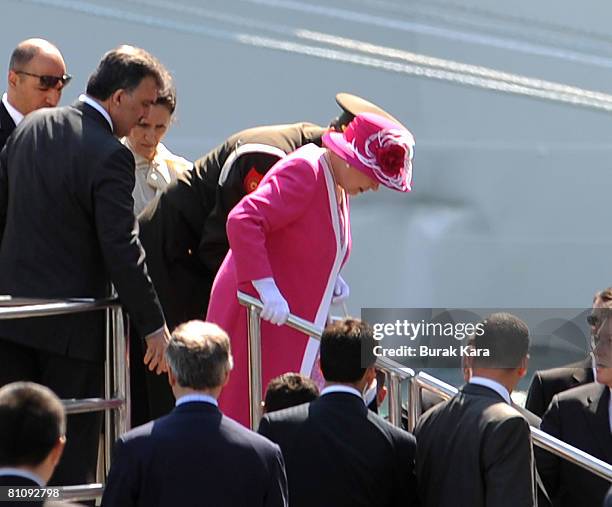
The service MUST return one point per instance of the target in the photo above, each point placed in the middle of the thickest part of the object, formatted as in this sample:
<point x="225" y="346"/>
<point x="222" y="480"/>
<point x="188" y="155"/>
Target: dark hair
<point x="31" y="421"/>
<point x="167" y="95"/>
<point x="288" y="390"/>
<point x="505" y="336"/>
<point x="22" y="55"/>
<point x="347" y="349"/>
<point x="199" y="355"/>
<point x="123" y="69"/>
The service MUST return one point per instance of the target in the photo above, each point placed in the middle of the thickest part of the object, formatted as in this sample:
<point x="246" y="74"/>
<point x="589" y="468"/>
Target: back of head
<point x="199" y="355"/>
<point x="347" y="349"/>
<point x="124" y="68"/>
<point x="31" y="422"/>
<point x="506" y="337"/>
<point x="288" y="390"/>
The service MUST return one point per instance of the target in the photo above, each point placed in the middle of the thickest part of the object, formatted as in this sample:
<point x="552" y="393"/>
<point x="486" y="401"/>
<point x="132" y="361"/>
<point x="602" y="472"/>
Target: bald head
<point x="30" y="60"/>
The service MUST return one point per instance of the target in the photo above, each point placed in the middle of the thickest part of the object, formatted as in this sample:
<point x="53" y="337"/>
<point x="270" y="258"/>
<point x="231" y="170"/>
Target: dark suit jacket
<point x="546" y="383"/>
<point x="430" y="400"/>
<point x="195" y="456"/>
<point x="579" y="417"/>
<point x="23" y="482"/>
<point x="7" y="125"/>
<point x="339" y="453"/>
<point x="68" y="229"/>
<point x="475" y="450"/>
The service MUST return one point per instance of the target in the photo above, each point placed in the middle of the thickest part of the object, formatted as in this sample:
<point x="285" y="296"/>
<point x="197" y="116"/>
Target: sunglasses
<point x="592" y="320"/>
<point x="48" y="82"/>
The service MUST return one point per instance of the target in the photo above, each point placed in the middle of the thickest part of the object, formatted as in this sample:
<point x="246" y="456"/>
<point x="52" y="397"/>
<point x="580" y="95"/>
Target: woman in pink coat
<point x="289" y="240"/>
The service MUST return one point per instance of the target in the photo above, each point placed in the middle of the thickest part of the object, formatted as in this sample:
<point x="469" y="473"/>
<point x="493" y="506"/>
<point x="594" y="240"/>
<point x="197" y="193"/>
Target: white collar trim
<point x="13" y="113"/>
<point x="495" y="386"/>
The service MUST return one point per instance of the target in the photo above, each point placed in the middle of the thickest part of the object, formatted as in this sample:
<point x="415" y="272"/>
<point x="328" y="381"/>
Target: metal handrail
<point x="11" y="308"/>
<point x="539" y="437"/>
<point x="394" y="370"/>
<point x="116" y="371"/>
<point x="398" y="373"/>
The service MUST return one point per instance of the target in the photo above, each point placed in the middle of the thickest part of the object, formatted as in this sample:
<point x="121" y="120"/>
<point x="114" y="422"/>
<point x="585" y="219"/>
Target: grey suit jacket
<point x="474" y="450"/>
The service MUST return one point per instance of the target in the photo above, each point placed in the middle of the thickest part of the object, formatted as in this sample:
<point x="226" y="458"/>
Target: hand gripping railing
<point x="539" y="437"/>
<point x="394" y="371"/>
<point x="116" y="372"/>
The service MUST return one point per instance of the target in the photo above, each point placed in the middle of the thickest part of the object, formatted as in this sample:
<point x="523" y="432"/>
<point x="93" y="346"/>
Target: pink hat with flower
<point x="378" y="147"/>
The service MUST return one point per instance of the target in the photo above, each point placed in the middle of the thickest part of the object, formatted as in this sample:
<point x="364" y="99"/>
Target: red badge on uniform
<point x="251" y="180"/>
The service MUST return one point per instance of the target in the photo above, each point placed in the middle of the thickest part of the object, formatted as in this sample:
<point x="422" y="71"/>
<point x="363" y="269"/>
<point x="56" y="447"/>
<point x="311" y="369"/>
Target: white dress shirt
<point x="189" y="398"/>
<point x="13" y="113"/>
<point x="96" y="105"/>
<point x="491" y="384"/>
<point x="342" y="389"/>
<point x="22" y="473"/>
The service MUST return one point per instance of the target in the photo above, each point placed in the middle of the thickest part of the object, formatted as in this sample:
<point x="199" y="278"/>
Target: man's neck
<point x="180" y="392"/>
<point x="13" y="110"/>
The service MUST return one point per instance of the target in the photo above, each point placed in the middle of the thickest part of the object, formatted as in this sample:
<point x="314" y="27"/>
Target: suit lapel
<point x="7" y="125"/>
<point x="583" y="374"/>
<point x="90" y="112"/>
<point x="599" y="420"/>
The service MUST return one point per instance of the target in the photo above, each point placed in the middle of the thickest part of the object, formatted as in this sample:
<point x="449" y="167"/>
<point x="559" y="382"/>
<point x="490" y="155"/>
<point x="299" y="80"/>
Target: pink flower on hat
<point x="388" y="153"/>
<point x="391" y="158"/>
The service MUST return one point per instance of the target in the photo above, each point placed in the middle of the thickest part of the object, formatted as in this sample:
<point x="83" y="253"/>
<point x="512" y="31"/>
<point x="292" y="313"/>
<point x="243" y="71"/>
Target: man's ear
<point x="226" y="379"/>
<point x="171" y="378"/>
<point x="522" y="369"/>
<point x="370" y="375"/>
<point x="12" y="79"/>
<point x="57" y="451"/>
<point x="117" y="97"/>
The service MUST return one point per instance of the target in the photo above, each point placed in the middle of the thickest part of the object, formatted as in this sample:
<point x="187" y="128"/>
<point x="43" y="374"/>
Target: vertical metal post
<point x="395" y="399"/>
<point x="414" y="404"/>
<point x="122" y="371"/>
<point x="255" y="387"/>
<point x="108" y="417"/>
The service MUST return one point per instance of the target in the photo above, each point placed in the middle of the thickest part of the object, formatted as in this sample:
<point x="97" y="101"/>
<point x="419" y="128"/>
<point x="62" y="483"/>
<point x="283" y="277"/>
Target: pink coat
<point x="292" y="229"/>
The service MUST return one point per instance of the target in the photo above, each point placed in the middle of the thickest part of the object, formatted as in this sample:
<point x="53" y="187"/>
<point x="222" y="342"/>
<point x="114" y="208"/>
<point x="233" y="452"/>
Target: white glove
<point x="341" y="291"/>
<point x="275" y="307"/>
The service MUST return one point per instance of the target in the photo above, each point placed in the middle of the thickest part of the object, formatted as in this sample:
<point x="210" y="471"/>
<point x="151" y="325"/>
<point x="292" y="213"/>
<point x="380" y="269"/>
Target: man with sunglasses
<point x="36" y="77"/>
<point x="546" y="383"/>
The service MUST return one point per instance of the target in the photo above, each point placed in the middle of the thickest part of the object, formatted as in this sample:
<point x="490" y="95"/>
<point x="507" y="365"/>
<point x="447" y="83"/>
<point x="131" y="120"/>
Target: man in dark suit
<point x="475" y="449"/>
<point x="546" y="383"/>
<point x="32" y="429"/>
<point x="36" y="77"/>
<point x="68" y="230"/>
<point x="337" y="451"/>
<point x="196" y="455"/>
<point x="581" y="417"/>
